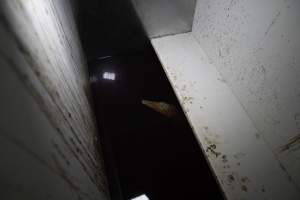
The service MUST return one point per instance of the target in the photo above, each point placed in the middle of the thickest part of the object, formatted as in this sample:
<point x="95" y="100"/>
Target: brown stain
<point x="212" y="149"/>
<point x="209" y="137"/>
<point x="187" y="99"/>
<point x="244" y="188"/>
<point x="245" y="180"/>
<point x="226" y="167"/>
<point x="212" y="142"/>
<point x="292" y="145"/>
<point x="230" y="178"/>
<point x="224" y="159"/>
<point x="207" y="140"/>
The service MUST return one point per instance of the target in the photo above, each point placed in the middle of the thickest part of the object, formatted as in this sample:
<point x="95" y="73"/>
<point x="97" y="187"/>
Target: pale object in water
<point x="163" y="108"/>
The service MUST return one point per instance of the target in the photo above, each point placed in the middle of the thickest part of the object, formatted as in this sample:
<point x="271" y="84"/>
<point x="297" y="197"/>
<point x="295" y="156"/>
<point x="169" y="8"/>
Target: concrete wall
<point x="165" y="17"/>
<point x="47" y="130"/>
<point x="255" y="46"/>
<point x="244" y="166"/>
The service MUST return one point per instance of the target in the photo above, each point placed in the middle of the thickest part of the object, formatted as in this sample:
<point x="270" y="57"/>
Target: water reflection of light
<point x="109" y="75"/>
<point x="142" y="197"/>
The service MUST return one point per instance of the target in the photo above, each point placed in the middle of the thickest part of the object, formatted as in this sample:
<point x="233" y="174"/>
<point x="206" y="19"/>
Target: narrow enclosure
<point x="149" y="99"/>
<point x="141" y="122"/>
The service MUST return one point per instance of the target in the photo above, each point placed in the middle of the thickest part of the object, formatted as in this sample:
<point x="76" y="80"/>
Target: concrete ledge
<point x="243" y="163"/>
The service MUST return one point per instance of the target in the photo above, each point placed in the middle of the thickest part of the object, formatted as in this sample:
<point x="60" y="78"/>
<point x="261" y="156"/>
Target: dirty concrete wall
<point x="47" y="129"/>
<point x="256" y="48"/>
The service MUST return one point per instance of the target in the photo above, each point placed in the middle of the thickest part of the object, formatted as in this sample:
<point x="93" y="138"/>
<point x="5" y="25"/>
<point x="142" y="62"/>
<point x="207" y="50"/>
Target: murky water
<point x="146" y="150"/>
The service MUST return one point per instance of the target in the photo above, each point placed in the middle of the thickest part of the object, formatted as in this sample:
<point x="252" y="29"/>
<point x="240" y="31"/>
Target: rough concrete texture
<point x="255" y="47"/>
<point x="244" y="165"/>
<point x="47" y="131"/>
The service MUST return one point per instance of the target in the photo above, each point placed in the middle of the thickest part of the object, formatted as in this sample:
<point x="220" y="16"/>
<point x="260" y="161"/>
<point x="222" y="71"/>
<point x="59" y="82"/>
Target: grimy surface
<point x="47" y="128"/>
<point x="255" y="47"/>
<point x="242" y="162"/>
<point x="151" y="153"/>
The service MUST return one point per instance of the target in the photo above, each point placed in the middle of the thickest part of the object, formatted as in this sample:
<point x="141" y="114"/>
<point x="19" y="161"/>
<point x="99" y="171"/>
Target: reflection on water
<point x="148" y="145"/>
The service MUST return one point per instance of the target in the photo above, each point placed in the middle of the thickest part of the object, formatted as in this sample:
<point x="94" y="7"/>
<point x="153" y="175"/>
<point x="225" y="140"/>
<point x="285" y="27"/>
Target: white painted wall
<point x="244" y="166"/>
<point x="255" y="46"/>
<point x="47" y="129"/>
<point x="236" y="76"/>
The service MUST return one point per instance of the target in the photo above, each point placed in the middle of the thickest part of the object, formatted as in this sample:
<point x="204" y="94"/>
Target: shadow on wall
<point x="109" y="27"/>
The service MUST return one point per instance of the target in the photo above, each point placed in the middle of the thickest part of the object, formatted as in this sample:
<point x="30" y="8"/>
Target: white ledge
<point x="244" y="165"/>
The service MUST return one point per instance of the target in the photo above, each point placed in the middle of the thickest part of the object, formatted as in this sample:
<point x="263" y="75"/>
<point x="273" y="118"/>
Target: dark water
<point x="147" y="152"/>
<point x="144" y="151"/>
